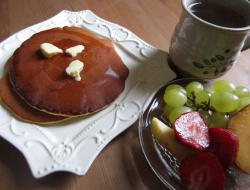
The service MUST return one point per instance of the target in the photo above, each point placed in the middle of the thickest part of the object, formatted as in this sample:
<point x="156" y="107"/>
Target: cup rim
<point x="241" y="29"/>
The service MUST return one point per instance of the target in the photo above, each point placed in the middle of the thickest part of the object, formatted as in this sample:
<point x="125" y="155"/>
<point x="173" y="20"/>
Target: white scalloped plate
<point x="73" y="146"/>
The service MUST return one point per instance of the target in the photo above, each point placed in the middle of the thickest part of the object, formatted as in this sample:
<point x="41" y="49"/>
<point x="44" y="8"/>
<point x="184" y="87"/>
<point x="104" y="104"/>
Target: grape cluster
<point x="215" y="104"/>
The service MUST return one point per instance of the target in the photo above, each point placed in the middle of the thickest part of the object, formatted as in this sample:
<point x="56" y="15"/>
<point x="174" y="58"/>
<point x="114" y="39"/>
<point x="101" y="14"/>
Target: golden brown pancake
<point x="44" y="85"/>
<point x="20" y="109"/>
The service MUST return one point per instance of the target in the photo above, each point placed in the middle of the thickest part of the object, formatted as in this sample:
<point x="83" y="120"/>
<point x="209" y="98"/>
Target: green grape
<point x="202" y="97"/>
<point x="167" y="109"/>
<point x="205" y="116"/>
<point x="194" y="87"/>
<point x="174" y="98"/>
<point x="241" y="91"/>
<point x="244" y="101"/>
<point x="210" y="91"/>
<point x="177" y="112"/>
<point x="176" y="86"/>
<point x="218" y="119"/>
<point x="223" y="86"/>
<point x="224" y="102"/>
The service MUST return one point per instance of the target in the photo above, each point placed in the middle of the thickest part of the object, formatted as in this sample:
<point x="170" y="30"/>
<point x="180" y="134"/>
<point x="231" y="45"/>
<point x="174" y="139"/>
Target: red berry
<point x="202" y="171"/>
<point x="191" y="130"/>
<point x="224" y="144"/>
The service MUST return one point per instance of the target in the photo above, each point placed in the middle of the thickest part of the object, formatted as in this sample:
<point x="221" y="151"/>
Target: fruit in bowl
<point x="199" y="127"/>
<point x="240" y="125"/>
<point x="166" y="137"/>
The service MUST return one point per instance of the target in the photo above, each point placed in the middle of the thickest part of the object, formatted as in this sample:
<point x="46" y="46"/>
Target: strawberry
<point x="224" y="144"/>
<point x="202" y="171"/>
<point x="191" y="131"/>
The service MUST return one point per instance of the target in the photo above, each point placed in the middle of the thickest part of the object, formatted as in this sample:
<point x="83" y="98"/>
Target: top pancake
<point x="43" y="83"/>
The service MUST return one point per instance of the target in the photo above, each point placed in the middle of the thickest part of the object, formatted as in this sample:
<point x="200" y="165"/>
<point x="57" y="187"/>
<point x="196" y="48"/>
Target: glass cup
<point x="203" y="49"/>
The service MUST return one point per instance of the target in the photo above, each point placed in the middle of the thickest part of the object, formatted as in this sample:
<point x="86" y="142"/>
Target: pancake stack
<point x="38" y="89"/>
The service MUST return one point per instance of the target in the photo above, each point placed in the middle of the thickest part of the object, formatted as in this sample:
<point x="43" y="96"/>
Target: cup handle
<point x="246" y="43"/>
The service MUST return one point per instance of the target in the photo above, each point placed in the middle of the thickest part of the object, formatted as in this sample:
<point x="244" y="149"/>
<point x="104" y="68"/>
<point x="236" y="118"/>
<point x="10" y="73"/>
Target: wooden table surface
<point x="121" y="165"/>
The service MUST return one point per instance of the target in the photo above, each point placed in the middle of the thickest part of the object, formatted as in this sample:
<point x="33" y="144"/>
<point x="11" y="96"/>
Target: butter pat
<point x="74" y="69"/>
<point x="75" y="50"/>
<point x="49" y="50"/>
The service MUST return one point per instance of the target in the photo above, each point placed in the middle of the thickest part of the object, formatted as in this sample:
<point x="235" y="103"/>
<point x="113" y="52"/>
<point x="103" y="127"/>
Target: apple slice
<point x="239" y="124"/>
<point x="166" y="137"/>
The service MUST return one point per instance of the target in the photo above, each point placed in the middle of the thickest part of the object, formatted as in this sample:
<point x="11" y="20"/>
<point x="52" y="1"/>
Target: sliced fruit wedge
<point x="191" y="130"/>
<point x="239" y="124"/>
<point x="224" y="144"/>
<point x="166" y="137"/>
<point x="202" y="171"/>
